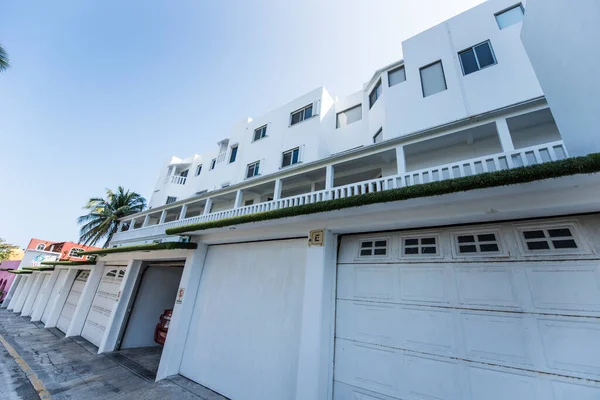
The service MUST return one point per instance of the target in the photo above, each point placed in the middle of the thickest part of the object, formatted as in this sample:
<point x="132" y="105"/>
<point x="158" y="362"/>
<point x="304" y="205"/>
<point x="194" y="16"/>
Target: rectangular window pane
<point x="466" y="239"/>
<point x="411" y="250"/>
<point x="488" y="237"/>
<point x="308" y="112"/>
<point x="380" y="252"/>
<point x="287" y="159"/>
<point x="428" y="250"/>
<point x="381" y="243"/>
<point x="233" y="155"/>
<point x="349" y="116"/>
<point x="510" y="17"/>
<point x="375" y="93"/>
<point x="428" y="240"/>
<point x="295" y="118"/>
<point x="366" y="244"/>
<point x="366" y="252"/>
<point x="256" y="134"/>
<point x="468" y="249"/>
<point x="564" y="244"/>
<point x="411" y="242"/>
<point x="295" y="154"/>
<point x="488" y="247"/>
<point x="484" y="55"/>
<point x="538" y="245"/>
<point x="562" y="232"/>
<point x="534" y="235"/>
<point x="396" y="76"/>
<point x="432" y="79"/>
<point x="468" y="61"/>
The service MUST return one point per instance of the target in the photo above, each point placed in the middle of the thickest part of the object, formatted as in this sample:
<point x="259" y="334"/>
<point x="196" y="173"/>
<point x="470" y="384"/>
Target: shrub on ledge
<point x="144" y="247"/>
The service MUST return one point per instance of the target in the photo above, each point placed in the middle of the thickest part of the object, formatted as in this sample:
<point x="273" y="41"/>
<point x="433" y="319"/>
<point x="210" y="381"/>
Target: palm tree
<point x="102" y="220"/>
<point x="3" y="59"/>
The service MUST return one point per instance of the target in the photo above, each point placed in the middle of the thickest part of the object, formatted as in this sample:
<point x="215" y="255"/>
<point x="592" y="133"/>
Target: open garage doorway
<point x="155" y="293"/>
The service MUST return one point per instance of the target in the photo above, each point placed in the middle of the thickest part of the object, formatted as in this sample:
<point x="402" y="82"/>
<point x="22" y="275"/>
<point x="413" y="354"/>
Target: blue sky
<point x="103" y="93"/>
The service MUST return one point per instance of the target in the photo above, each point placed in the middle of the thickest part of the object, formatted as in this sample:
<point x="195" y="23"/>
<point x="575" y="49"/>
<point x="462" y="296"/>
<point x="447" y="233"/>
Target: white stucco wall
<point x="561" y="39"/>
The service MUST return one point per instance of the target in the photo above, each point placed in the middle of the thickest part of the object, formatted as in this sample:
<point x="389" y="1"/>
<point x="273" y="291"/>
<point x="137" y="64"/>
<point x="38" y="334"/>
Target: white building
<point x="319" y="259"/>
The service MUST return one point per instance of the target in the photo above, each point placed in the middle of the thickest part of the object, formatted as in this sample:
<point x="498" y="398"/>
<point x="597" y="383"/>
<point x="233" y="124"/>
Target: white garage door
<point x="244" y="334"/>
<point x="42" y="291"/>
<point x="494" y="313"/>
<point x="72" y="299"/>
<point x="103" y="303"/>
<point x="60" y="280"/>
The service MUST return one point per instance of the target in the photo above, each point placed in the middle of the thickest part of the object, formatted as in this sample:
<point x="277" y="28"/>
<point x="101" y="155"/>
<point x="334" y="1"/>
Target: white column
<point x="182" y="314"/>
<point x="504" y="135"/>
<point x="163" y="216"/>
<point x="33" y="293"/>
<point x="208" y="206"/>
<point x="183" y="211"/>
<point x="146" y="220"/>
<point x="315" y="362"/>
<point x="400" y="160"/>
<point x="277" y="190"/>
<point x="131" y="224"/>
<point x="117" y="318"/>
<point x="85" y="300"/>
<point x="24" y="293"/>
<point x="329" y="177"/>
<point x="120" y="229"/>
<point x="239" y="197"/>
<point x="313" y="186"/>
<point x="13" y="293"/>
<point x="38" y="311"/>
<point x="60" y="300"/>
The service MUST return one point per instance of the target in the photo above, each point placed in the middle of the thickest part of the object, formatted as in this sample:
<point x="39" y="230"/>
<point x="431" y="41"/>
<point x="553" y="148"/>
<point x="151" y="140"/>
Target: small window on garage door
<point x="551" y="239"/>
<point x="478" y="244"/>
<point x="420" y="246"/>
<point x="373" y="248"/>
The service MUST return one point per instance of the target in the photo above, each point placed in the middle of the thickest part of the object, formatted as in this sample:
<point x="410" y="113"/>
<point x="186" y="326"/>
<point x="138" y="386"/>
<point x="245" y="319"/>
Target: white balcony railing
<point x="528" y="156"/>
<point x="175" y="179"/>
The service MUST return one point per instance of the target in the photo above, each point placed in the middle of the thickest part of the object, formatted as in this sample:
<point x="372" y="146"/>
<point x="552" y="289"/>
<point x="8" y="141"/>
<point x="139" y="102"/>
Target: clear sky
<point x="103" y="93"/>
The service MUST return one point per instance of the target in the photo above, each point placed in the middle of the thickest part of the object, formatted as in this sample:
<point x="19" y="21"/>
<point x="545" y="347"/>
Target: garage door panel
<point x="562" y="289"/>
<point x="489" y="384"/>
<point x="72" y="300"/>
<point x="60" y="280"/>
<point x="492" y="285"/>
<point x="423" y="285"/>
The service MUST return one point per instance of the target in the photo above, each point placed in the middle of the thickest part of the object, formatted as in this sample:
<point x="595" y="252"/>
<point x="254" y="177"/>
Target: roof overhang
<point x="144" y="247"/>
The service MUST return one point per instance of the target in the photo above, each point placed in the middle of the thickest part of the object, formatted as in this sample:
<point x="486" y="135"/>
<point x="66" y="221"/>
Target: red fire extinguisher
<point x="160" y="333"/>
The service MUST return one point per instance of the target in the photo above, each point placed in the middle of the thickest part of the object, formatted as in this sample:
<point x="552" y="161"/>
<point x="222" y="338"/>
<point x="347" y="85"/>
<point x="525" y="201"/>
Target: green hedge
<point x="144" y="247"/>
<point x="68" y="262"/>
<point x="19" y="271"/>
<point x="41" y="269"/>
<point x="570" y="166"/>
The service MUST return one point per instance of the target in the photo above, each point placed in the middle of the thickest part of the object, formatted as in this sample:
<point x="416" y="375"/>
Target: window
<point x="416" y="246"/>
<point x="369" y="248"/>
<point x="198" y="169"/>
<point x="252" y="169"/>
<point x="432" y="79"/>
<point x="378" y="137"/>
<point x="301" y="115"/>
<point x="478" y="243"/>
<point x="477" y="57"/>
<point x="396" y="76"/>
<point x="510" y="16"/>
<point x="233" y="154"/>
<point x="260" y="133"/>
<point x="249" y="202"/>
<point x="171" y="199"/>
<point x="213" y="162"/>
<point x="75" y="252"/>
<point x="349" y="116"/>
<point x="40" y="246"/>
<point x="537" y="240"/>
<point x="375" y="93"/>
<point x="290" y="157"/>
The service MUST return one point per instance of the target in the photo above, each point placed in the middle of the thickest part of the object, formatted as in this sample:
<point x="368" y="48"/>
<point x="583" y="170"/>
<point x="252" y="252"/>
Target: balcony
<point x="175" y="179"/>
<point x="176" y="217"/>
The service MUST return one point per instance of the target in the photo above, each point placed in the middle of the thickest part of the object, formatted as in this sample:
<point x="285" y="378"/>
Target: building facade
<point x="382" y="246"/>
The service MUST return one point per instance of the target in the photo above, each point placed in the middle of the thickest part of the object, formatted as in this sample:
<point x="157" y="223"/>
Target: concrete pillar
<point x="24" y="293"/>
<point x="13" y="292"/>
<point x="504" y="135"/>
<point x="146" y="220"/>
<point x="277" y="190"/>
<point x="400" y="160"/>
<point x="113" y="327"/>
<point x="239" y="197"/>
<point x="163" y="216"/>
<point x="36" y="286"/>
<point x="182" y="314"/>
<point x="60" y="300"/>
<point x="38" y="310"/>
<point x="85" y="300"/>
<point x="183" y="211"/>
<point x="208" y="206"/>
<point x="131" y="224"/>
<point x="315" y="362"/>
<point x="329" y="175"/>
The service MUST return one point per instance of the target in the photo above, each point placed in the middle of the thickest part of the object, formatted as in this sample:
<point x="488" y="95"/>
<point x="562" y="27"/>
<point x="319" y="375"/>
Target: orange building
<point x="68" y="250"/>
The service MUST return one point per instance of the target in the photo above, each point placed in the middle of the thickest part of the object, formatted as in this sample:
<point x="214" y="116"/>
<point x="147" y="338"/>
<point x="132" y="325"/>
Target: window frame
<point x="233" y="153"/>
<point x="337" y="116"/>
<point x="170" y="197"/>
<point x="256" y="171"/>
<point x="303" y="111"/>
<point x="198" y="170"/>
<point x="377" y="134"/>
<point x="76" y="255"/>
<point x="419" y="237"/>
<point x="263" y="134"/>
<point x="472" y="48"/>
<point x="213" y="164"/>
<point x="443" y="74"/>
<point x="372" y="256"/>
<point x="502" y="249"/>
<point x="519" y="4"/>
<point x="298" y="161"/>
<point x="38" y="246"/>
<point x="378" y="85"/>
<point x="573" y="226"/>
<point x="391" y="71"/>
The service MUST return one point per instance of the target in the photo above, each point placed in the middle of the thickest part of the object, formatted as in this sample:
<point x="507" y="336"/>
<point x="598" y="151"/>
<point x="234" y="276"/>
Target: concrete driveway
<point x="42" y="363"/>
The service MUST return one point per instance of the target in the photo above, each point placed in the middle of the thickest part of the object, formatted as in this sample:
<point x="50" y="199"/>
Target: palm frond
<point x="4" y="64"/>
